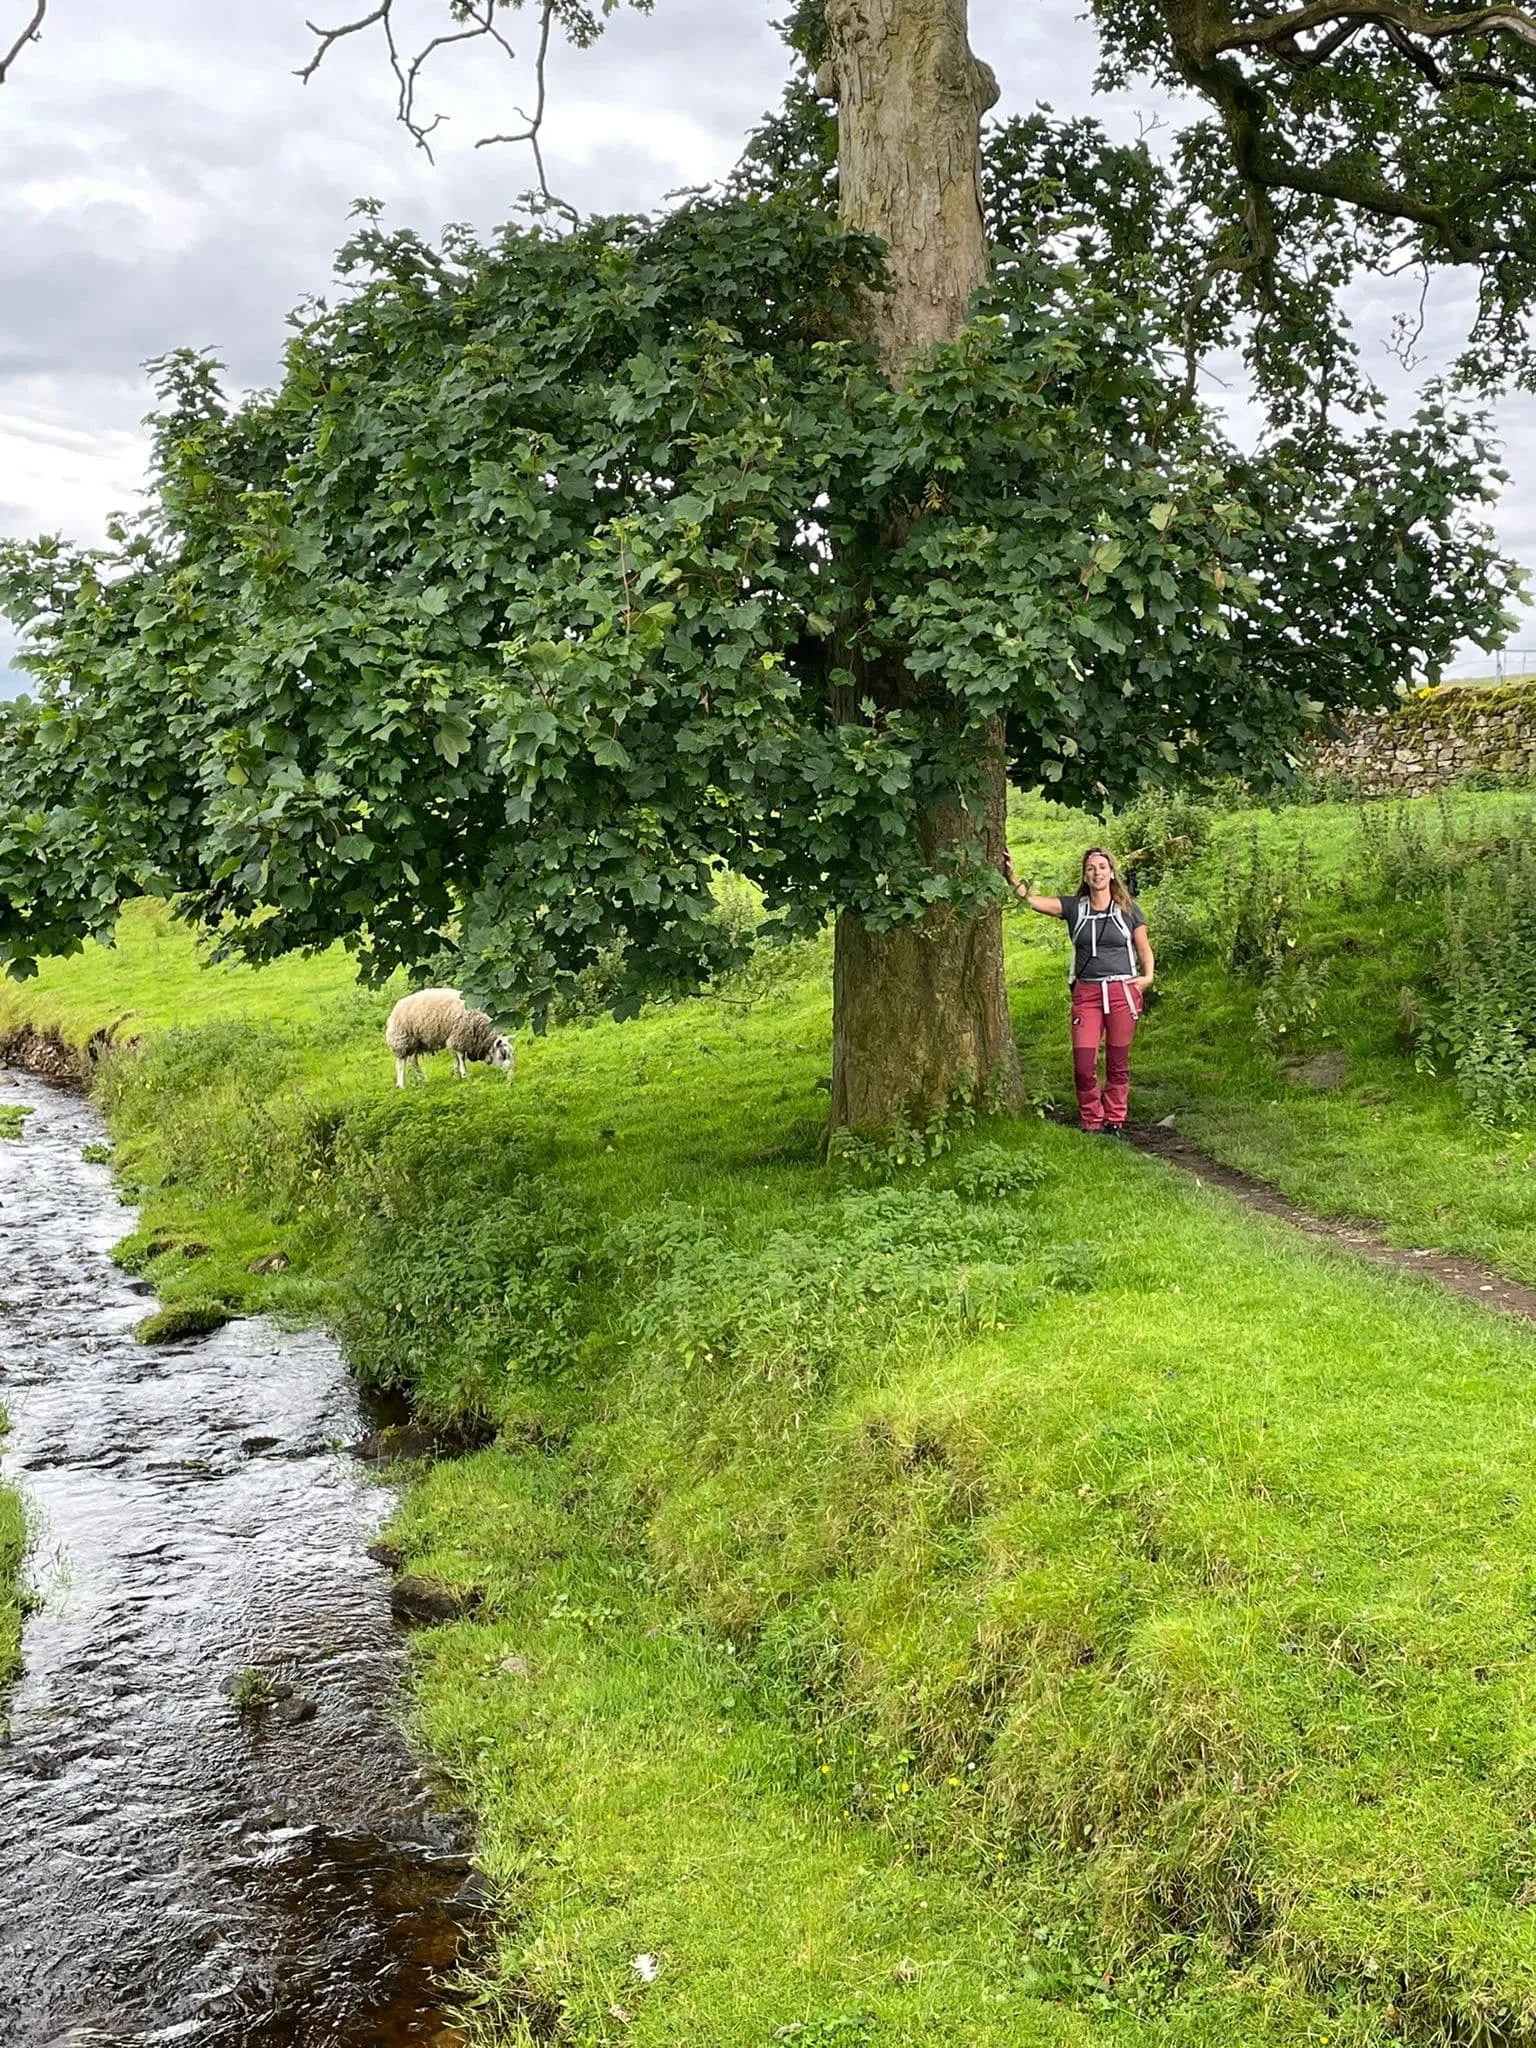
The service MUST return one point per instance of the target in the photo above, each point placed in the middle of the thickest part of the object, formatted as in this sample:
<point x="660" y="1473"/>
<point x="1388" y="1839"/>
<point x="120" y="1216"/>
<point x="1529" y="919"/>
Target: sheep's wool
<point x="473" y="1035"/>
<point x="424" y="1022"/>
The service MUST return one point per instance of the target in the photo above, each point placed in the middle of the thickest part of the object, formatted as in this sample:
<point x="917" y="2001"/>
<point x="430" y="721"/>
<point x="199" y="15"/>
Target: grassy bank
<point x="13" y="1545"/>
<point x="1020" y="1598"/>
<point x="13" y="1532"/>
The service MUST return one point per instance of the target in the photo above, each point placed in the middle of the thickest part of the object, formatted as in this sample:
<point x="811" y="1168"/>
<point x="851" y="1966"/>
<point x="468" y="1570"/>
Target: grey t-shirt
<point x="1103" y="945"/>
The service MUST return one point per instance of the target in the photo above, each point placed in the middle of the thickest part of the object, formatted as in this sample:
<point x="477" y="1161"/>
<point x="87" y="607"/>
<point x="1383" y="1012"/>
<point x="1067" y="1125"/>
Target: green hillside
<point x="1010" y="1596"/>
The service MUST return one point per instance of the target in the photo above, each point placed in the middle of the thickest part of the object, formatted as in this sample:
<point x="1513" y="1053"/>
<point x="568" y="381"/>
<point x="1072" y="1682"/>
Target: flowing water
<point x="171" y="1869"/>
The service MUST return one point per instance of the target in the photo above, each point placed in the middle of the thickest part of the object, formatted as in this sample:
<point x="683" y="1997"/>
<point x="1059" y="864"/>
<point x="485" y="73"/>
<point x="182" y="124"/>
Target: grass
<point x="13" y="1548"/>
<point x="252" y="1691"/>
<point x="1033" y="1601"/>
<point x="1392" y="1145"/>
<point x="183" y="1319"/>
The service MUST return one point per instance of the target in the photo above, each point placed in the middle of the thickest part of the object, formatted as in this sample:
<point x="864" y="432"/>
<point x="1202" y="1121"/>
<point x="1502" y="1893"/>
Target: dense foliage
<point x="561" y="570"/>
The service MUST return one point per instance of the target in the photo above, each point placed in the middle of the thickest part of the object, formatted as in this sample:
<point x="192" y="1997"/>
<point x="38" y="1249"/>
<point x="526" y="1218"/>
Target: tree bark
<point x="922" y="1011"/>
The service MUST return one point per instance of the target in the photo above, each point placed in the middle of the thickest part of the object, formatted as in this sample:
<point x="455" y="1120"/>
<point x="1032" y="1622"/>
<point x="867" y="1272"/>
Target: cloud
<point x="170" y="182"/>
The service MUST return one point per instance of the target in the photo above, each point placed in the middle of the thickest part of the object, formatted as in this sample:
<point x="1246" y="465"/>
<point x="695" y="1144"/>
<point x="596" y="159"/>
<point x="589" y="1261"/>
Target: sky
<point x="170" y="182"/>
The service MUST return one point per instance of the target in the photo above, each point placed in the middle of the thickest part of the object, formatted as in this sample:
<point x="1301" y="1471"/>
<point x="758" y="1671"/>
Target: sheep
<point x="435" y="1020"/>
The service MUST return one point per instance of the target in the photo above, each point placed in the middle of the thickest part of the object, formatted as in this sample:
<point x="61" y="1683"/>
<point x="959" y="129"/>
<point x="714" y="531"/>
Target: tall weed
<point x="1483" y="1023"/>
<point x="467" y="1300"/>
<point x="1257" y="906"/>
<point x="1405" y="854"/>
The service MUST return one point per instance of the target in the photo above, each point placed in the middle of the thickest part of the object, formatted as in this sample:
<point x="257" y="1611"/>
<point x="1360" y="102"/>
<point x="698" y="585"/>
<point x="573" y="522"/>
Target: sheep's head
<point x="500" y="1055"/>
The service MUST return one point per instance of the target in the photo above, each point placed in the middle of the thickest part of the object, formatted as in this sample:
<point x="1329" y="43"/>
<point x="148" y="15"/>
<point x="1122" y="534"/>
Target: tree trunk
<point x="921" y="1011"/>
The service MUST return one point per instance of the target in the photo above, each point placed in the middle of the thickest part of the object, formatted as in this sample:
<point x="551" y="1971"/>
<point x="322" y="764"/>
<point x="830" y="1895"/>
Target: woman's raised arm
<point x="1048" y="906"/>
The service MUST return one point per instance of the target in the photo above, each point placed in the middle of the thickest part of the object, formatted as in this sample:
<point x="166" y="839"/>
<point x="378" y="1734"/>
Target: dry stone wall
<point x="1458" y="733"/>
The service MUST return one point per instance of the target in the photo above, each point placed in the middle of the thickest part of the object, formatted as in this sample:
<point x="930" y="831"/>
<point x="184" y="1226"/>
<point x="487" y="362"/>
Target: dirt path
<point x="1485" y="1285"/>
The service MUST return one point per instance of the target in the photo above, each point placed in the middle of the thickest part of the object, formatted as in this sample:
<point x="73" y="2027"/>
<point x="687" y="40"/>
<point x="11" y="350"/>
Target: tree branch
<point x="535" y="120"/>
<point x="29" y="34"/>
<point x="479" y="17"/>
<point x="1269" y="30"/>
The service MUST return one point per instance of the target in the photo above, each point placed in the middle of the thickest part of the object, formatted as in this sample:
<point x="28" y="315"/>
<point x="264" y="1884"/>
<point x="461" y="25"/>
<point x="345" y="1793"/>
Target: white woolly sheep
<point x="435" y="1020"/>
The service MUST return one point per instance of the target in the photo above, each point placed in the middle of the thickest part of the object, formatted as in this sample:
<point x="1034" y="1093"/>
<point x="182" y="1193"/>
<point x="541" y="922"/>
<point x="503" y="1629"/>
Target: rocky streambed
<point x="172" y="1868"/>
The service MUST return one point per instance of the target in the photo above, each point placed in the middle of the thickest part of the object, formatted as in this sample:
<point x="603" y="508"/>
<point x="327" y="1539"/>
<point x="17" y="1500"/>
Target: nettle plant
<point x="567" y="569"/>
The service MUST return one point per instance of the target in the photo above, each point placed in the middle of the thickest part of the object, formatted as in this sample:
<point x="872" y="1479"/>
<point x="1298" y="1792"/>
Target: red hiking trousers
<point x="1103" y="1010"/>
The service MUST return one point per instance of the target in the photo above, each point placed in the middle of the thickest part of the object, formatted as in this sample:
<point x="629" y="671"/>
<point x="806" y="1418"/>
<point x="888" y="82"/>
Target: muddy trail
<point x="1483" y="1284"/>
<point x="172" y="1869"/>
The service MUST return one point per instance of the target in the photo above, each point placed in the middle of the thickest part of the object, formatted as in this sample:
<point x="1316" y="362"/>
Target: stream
<point x="172" y="1869"/>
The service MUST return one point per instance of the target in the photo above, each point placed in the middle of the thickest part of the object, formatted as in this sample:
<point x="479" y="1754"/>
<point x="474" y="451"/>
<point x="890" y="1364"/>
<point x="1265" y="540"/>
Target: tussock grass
<point x="1034" y="1600"/>
<point x="181" y="1321"/>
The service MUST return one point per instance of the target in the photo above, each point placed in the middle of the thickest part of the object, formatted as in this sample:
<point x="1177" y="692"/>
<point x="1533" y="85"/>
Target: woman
<point x="1112" y="969"/>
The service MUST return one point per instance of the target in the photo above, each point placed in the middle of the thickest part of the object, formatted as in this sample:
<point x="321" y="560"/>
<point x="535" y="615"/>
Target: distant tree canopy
<point x="561" y="569"/>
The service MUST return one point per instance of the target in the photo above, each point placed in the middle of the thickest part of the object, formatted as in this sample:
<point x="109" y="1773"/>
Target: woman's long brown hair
<point x="1118" y="894"/>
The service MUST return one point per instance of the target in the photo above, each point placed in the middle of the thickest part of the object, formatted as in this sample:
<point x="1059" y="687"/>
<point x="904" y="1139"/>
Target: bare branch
<point x="329" y="37"/>
<point x="480" y="25"/>
<point x="29" y="34"/>
<point x="535" y="121"/>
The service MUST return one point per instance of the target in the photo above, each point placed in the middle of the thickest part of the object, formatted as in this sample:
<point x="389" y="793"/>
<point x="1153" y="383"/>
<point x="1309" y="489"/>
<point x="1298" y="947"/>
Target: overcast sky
<point x="168" y="181"/>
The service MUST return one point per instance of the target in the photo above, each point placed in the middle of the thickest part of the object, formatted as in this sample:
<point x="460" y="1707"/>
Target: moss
<point x="183" y="1319"/>
<point x="1466" y="707"/>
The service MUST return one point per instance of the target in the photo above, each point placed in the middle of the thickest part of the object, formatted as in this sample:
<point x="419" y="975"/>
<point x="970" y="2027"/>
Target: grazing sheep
<point x="435" y="1020"/>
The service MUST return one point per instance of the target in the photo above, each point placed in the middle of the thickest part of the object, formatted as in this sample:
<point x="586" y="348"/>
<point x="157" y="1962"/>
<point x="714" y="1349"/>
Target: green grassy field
<point x="1021" y="1599"/>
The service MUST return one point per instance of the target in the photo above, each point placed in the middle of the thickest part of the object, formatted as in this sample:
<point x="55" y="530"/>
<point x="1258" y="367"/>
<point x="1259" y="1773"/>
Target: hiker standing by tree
<point x="1112" y="969"/>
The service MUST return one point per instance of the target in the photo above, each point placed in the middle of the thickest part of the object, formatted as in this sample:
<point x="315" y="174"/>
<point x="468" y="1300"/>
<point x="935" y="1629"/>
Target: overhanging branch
<point x="1271" y="31"/>
<point x="479" y="25"/>
<point x="29" y="34"/>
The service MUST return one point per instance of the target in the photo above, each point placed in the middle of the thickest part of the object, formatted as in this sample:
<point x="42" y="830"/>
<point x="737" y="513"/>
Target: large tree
<point x="562" y="570"/>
